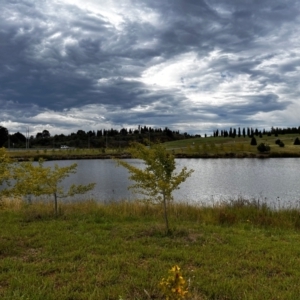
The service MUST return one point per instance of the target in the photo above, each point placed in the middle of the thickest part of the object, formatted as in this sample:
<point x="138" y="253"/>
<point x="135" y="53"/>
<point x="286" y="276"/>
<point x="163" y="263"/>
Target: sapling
<point x="5" y="171"/>
<point x="157" y="180"/>
<point x="37" y="180"/>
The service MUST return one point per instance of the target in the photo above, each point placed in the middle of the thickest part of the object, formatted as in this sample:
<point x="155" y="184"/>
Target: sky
<point x="189" y="65"/>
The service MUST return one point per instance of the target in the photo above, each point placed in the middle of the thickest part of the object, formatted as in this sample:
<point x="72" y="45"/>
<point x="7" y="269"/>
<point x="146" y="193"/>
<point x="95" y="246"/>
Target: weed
<point x="174" y="287"/>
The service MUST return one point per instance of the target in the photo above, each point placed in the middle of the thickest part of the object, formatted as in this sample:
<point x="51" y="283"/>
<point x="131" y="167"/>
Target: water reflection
<point x="272" y="180"/>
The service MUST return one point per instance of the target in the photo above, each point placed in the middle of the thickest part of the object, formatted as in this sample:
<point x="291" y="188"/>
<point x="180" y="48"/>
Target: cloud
<point x="191" y="65"/>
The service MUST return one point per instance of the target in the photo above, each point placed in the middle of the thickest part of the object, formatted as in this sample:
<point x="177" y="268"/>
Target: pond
<point x="274" y="181"/>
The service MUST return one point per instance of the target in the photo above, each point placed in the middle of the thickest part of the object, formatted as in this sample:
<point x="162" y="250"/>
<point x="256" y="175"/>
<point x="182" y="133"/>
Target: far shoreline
<point x="51" y="157"/>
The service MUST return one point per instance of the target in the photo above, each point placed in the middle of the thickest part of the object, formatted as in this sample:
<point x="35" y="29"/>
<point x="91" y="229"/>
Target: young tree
<point x="157" y="180"/>
<point x="5" y="170"/>
<point x="37" y="180"/>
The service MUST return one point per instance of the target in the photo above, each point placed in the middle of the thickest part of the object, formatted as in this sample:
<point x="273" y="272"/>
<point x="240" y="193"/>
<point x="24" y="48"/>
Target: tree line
<point x="250" y="132"/>
<point x="114" y="138"/>
<point x="102" y="138"/>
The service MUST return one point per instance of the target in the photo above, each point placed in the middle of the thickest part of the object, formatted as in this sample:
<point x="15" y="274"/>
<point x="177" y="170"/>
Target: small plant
<point x="174" y="287"/>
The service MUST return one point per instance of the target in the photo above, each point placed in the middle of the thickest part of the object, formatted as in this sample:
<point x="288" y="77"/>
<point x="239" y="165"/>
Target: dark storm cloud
<point x="154" y="62"/>
<point x="249" y="105"/>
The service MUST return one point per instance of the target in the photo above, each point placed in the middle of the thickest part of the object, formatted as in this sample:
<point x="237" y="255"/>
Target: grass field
<point x="236" y="250"/>
<point x="238" y="146"/>
<point x="193" y="147"/>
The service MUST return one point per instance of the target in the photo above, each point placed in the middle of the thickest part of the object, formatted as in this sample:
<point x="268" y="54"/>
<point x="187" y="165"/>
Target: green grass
<point x="234" y="147"/>
<point x="53" y="154"/>
<point x="236" y="250"/>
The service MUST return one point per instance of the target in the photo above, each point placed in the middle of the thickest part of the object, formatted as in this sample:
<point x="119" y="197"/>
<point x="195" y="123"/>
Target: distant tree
<point x="123" y="131"/>
<point x="3" y="135"/>
<point x="81" y="132"/>
<point x="248" y="132"/>
<point x="253" y="141"/>
<point x="18" y="138"/>
<point x="297" y="141"/>
<point x="45" y="134"/>
<point x="244" y="132"/>
<point x="39" y="135"/>
<point x="90" y="133"/>
<point x="234" y="133"/>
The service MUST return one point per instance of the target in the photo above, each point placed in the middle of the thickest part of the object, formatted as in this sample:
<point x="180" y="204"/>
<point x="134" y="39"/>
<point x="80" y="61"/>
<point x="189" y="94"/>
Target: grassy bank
<point x="64" y="154"/>
<point x="210" y="147"/>
<point x="238" y="250"/>
<point x="238" y="147"/>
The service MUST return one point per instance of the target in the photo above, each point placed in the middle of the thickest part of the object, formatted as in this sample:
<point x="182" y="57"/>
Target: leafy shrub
<point x="263" y="147"/>
<point x="279" y="143"/>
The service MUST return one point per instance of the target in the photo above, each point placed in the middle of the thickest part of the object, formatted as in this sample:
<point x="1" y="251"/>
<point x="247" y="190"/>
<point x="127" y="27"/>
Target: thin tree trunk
<point x="166" y="213"/>
<point x="55" y="203"/>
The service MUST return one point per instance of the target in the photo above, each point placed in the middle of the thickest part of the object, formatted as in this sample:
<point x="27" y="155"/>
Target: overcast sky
<point x="190" y="65"/>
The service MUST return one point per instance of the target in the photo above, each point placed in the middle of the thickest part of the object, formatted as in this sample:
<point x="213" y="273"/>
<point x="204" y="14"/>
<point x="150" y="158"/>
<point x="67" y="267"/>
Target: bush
<point x="279" y="143"/>
<point x="297" y="141"/>
<point x="253" y="141"/>
<point x="263" y="147"/>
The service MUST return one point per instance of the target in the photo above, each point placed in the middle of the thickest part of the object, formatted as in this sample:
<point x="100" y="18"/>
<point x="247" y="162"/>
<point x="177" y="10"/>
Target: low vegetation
<point x="234" y="250"/>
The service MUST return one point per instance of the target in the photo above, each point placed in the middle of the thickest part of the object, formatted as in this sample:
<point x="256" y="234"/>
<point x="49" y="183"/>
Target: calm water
<point x="275" y="181"/>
